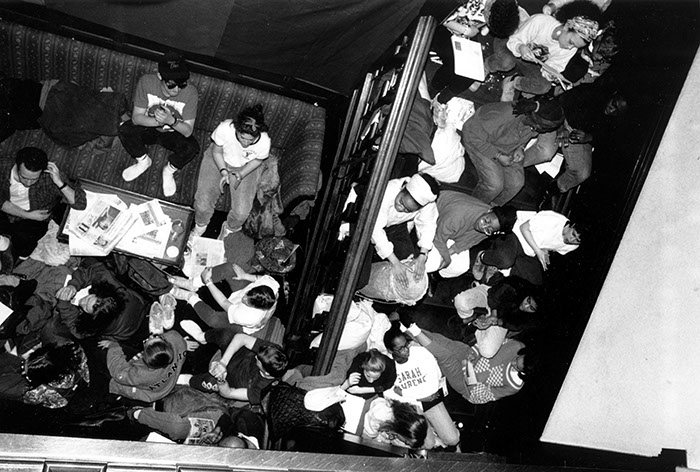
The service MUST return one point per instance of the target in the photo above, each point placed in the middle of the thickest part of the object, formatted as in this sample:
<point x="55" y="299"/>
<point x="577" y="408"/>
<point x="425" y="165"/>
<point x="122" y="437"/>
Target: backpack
<point x="141" y="275"/>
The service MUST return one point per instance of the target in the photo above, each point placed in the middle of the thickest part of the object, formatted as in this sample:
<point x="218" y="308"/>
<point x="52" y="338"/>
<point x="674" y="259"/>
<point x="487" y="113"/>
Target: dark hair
<point x="580" y="228"/>
<point x="273" y="360"/>
<point x="109" y="304"/>
<point x="434" y="185"/>
<point x="530" y="364"/>
<point x="375" y="361"/>
<point x="251" y="121"/>
<point x="33" y="158"/>
<point x="50" y="363"/>
<point x="504" y="18"/>
<point x="584" y="8"/>
<point x="546" y="113"/>
<point x="158" y="353"/>
<point x="507" y="215"/>
<point x="393" y="333"/>
<point x="407" y="423"/>
<point x="172" y="66"/>
<point x="261" y="297"/>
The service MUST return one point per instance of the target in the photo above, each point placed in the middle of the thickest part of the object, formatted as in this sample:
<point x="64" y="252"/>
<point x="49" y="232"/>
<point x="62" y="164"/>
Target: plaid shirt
<point x="44" y="194"/>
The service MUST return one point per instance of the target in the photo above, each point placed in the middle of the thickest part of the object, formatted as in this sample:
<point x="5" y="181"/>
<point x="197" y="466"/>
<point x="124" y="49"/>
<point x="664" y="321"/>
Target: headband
<point x="585" y="27"/>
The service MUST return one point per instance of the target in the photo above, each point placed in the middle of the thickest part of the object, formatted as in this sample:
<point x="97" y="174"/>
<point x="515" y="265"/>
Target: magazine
<point x="149" y="234"/>
<point x="205" y="252"/>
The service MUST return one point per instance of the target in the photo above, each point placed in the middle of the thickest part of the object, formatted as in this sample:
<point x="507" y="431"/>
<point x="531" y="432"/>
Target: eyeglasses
<point x="401" y="350"/>
<point x="171" y="84"/>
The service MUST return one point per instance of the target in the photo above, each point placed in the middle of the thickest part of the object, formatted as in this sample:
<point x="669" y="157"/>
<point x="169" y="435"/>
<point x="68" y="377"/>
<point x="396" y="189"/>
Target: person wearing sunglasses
<point x="31" y="189"/>
<point x="164" y="113"/>
<point x="463" y="222"/>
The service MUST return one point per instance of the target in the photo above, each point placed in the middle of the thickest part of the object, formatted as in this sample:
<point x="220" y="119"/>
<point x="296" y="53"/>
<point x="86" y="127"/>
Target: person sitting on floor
<point x="370" y="374"/>
<point x="503" y="308"/>
<point x="31" y="188"/>
<point x="151" y="374"/>
<point x="164" y="113"/>
<point x="483" y="380"/>
<point x="495" y="137"/>
<point x="408" y="199"/>
<point x="463" y="222"/>
<point x="234" y="158"/>
<point x="245" y="368"/>
<point x="398" y="423"/>
<point x="527" y="249"/>
<point x="418" y="382"/>
<point x="250" y="307"/>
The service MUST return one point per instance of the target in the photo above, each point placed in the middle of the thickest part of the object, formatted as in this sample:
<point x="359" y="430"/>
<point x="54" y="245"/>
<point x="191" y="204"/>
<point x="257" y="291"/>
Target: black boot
<point x="8" y="329"/>
<point x="550" y="197"/>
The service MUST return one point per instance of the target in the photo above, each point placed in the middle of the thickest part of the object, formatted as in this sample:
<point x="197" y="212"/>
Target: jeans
<point x="208" y="193"/>
<point x="451" y="355"/>
<point x="497" y="184"/>
<point x="135" y="138"/>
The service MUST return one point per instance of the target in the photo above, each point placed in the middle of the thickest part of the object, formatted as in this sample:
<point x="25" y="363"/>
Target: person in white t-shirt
<point x="234" y="158"/>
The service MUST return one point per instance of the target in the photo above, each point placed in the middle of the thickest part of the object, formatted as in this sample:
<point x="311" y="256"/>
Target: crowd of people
<point x="95" y="346"/>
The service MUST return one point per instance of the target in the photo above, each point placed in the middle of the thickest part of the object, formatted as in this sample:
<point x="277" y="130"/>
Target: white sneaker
<point x="169" y="185"/>
<point x="193" y="329"/>
<point x="196" y="231"/>
<point x="142" y="164"/>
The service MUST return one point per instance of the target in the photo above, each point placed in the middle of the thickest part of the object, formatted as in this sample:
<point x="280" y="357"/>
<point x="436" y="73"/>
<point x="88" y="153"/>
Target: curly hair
<point x="504" y="18"/>
<point x="407" y="423"/>
<point x="33" y="158"/>
<point x="584" y="8"/>
<point x="251" y="121"/>
<point x="110" y="303"/>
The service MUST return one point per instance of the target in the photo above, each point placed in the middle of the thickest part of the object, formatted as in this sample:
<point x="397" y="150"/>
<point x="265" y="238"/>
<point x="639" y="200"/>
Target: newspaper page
<point x="149" y="235"/>
<point x="100" y="226"/>
<point x="199" y="427"/>
<point x="206" y="252"/>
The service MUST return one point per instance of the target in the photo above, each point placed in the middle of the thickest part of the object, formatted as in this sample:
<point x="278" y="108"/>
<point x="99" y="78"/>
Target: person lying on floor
<point x="93" y="303"/>
<point x="49" y="377"/>
<point x="418" y="383"/>
<point x="527" y="249"/>
<point x="463" y="222"/>
<point x="482" y="380"/>
<point x="505" y="307"/>
<point x="397" y="423"/>
<point x="192" y="417"/>
<point x="245" y="368"/>
<point x="152" y="373"/>
<point x="250" y="307"/>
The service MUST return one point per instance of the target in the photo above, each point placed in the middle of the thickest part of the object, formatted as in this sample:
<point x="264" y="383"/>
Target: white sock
<point x="139" y="167"/>
<point x="169" y="185"/>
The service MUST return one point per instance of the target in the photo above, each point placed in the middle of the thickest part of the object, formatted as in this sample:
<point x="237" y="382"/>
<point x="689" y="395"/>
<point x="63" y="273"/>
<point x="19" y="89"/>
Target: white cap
<point x="420" y="190"/>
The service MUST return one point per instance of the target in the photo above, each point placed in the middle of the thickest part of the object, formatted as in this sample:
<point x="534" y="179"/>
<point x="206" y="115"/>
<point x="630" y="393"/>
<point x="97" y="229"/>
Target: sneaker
<point x="168" y="302"/>
<point x="508" y="87"/>
<point x="142" y="164"/>
<point x="197" y="231"/>
<point x="169" y="185"/>
<point x="156" y="318"/>
<point x="193" y="329"/>
<point x="478" y="268"/>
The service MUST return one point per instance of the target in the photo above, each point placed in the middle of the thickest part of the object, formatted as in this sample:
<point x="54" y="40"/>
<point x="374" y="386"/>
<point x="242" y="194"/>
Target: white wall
<point x="634" y="384"/>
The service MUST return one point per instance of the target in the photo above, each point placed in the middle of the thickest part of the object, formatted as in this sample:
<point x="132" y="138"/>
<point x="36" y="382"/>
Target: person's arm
<point x="242" y="172"/>
<point x="217" y="294"/>
<point x="36" y="215"/>
<point x="121" y="370"/>
<point x="524" y="35"/>
<point x="66" y="190"/>
<point x="226" y="391"/>
<point x="240" y="340"/>
<point x="542" y="255"/>
<point x="139" y="116"/>
<point x="217" y="153"/>
<point x="426" y="228"/>
<point x="482" y="129"/>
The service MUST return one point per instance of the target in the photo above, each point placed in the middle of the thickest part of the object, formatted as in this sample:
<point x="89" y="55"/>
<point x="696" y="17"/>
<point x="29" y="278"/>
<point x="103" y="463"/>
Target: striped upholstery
<point x="296" y="127"/>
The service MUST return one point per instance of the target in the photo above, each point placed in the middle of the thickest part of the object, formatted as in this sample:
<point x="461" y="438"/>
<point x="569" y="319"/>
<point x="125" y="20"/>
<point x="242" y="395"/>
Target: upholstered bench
<point x="296" y="127"/>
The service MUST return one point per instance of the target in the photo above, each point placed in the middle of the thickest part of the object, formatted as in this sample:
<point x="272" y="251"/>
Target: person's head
<point x="236" y="442"/>
<point x="407" y="424"/>
<point x="31" y="163"/>
<point x="502" y="17"/>
<point x="397" y="344"/>
<point x="173" y="73"/>
<point x="417" y="192"/>
<point x="571" y="233"/>
<point x="577" y="32"/>
<point x="373" y="366"/>
<point x="103" y="303"/>
<point x="157" y="352"/>
<point x="499" y="219"/>
<point x="616" y="106"/>
<point x="528" y="305"/>
<point x="249" y="125"/>
<point x="52" y="363"/>
<point x="526" y="362"/>
<point x="541" y="115"/>
<point x="272" y="361"/>
<point x="261" y="297"/>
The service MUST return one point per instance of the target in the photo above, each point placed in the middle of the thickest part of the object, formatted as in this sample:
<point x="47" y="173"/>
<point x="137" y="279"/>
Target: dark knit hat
<point x="548" y="114"/>
<point x="506" y="215"/>
<point x="172" y="66"/>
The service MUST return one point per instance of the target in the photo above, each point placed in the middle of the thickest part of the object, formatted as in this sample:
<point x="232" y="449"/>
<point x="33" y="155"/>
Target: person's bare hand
<point x="206" y="275"/>
<point x="213" y="437"/>
<point x="54" y="173"/>
<point x="225" y="180"/>
<point x="504" y="159"/>
<point x="400" y="273"/>
<point x="236" y="181"/>
<point x="192" y="345"/>
<point x="218" y="370"/>
<point x="354" y="378"/>
<point x="105" y="343"/>
<point x="38" y="215"/>
<point x="419" y="267"/>
<point x="526" y="53"/>
<point x="66" y="293"/>
<point x="162" y="115"/>
<point x="543" y="257"/>
<point x="518" y="155"/>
